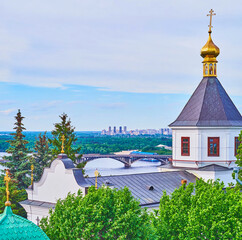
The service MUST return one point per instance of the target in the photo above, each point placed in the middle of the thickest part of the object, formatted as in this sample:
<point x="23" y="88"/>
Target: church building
<point x="205" y="134"/>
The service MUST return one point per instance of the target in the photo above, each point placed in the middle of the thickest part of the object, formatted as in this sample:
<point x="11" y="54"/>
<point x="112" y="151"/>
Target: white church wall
<point x="199" y="146"/>
<point x="223" y="176"/>
<point x="226" y="139"/>
<point x="177" y="134"/>
<point x="36" y="212"/>
<point x="56" y="183"/>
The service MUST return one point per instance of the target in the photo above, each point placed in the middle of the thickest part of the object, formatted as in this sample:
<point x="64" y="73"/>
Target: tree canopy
<point x="41" y="156"/>
<point x="239" y="157"/>
<point x="64" y="128"/>
<point x="200" y="211"/>
<point x="18" y="162"/>
<point x="101" y="214"/>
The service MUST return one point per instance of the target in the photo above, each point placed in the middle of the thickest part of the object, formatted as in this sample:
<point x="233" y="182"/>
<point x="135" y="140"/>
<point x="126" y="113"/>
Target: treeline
<point x="95" y="143"/>
<point x="194" y="211"/>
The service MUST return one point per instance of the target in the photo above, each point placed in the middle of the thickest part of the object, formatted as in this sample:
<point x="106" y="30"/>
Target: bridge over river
<point x="127" y="160"/>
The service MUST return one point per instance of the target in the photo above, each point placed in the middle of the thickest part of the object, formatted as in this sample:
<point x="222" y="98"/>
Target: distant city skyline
<point x="132" y="62"/>
<point x="123" y="130"/>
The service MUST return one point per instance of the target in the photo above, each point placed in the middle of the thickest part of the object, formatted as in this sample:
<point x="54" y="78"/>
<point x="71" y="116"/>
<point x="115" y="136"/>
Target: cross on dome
<point x="7" y="180"/>
<point x="62" y="145"/>
<point x="211" y="14"/>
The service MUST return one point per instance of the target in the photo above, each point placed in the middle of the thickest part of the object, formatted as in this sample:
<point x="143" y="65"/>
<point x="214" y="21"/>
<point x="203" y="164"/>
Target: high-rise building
<point x="109" y="130"/>
<point x="125" y="129"/>
<point x="120" y="130"/>
<point x="114" y="130"/>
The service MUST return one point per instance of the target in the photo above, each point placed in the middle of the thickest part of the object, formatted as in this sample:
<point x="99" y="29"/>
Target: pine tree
<point x="64" y="128"/>
<point x="41" y="156"/>
<point x="18" y="162"/>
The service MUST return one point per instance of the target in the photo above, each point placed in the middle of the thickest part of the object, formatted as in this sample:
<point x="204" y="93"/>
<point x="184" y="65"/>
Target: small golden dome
<point x="210" y="50"/>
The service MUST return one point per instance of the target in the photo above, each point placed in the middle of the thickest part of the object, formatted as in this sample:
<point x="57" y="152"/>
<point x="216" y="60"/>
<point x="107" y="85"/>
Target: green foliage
<point x="210" y="213"/>
<point x="41" y="156"/>
<point x="239" y="158"/>
<point x="15" y="197"/>
<point x="158" y="150"/>
<point x="64" y="128"/>
<point x="18" y="162"/>
<point x="102" y="214"/>
<point x="92" y="142"/>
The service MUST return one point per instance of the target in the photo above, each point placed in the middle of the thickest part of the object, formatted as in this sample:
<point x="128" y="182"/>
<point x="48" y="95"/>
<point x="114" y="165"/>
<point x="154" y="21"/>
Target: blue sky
<point x="119" y="62"/>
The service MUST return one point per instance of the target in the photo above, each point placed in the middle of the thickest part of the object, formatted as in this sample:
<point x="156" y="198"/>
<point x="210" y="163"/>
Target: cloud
<point x="128" y="46"/>
<point x="8" y="111"/>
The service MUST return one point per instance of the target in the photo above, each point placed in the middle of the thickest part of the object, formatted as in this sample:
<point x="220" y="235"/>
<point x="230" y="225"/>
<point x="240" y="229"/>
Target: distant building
<point x="120" y="130"/>
<point x="114" y="130"/>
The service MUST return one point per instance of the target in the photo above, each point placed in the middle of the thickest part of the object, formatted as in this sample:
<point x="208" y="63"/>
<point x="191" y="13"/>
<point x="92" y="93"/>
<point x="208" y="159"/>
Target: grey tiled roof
<point x="209" y="105"/>
<point x="139" y="184"/>
<point x="38" y="203"/>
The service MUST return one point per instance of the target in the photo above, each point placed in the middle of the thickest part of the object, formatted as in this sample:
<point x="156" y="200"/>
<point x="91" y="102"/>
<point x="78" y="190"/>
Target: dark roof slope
<point x="209" y="105"/>
<point x="214" y="167"/>
<point x="140" y="185"/>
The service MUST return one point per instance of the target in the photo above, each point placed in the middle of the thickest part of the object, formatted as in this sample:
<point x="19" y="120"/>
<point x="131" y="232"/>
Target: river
<point x="107" y="166"/>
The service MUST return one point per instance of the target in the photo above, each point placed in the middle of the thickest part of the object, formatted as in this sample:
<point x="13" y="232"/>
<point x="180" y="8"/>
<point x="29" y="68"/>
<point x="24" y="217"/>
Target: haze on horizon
<point x="111" y="63"/>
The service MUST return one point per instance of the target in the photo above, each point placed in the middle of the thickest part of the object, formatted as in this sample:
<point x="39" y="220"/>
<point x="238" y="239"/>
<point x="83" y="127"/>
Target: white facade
<point x="198" y="156"/>
<point x="55" y="183"/>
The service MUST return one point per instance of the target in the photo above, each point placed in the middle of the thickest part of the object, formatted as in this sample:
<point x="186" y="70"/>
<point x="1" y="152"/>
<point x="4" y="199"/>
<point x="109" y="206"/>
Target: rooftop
<point x="209" y="106"/>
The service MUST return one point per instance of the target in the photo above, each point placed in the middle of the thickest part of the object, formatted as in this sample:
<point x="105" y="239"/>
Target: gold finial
<point x="7" y="180"/>
<point x="96" y="175"/>
<point x="32" y="174"/>
<point x="62" y="146"/>
<point x="211" y="14"/>
<point x="209" y="52"/>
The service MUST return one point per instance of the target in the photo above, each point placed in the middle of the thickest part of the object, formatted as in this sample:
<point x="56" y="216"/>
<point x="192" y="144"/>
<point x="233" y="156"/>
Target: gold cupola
<point x="209" y="52"/>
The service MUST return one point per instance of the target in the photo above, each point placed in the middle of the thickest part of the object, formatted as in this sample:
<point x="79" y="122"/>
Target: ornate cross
<point x="62" y="145"/>
<point x="7" y="180"/>
<point x="211" y="14"/>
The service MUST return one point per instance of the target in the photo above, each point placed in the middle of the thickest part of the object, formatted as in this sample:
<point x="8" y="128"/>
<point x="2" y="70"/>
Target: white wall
<point x="199" y="146"/>
<point x="55" y="183"/>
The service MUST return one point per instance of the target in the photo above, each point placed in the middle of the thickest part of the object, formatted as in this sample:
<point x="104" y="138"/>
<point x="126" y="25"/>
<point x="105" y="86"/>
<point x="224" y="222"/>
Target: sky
<point x="131" y="63"/>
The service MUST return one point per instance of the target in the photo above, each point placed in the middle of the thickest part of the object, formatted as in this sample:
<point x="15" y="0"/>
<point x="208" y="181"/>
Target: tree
<point x="15" y="197"/>
<point x="203" y="211"/>
<point x="239" y="158"/>
<point x="18" y="162"/>
<point x="64" y="128"/>
<point x="41" y="156"/>
<point x="102" y="214"/>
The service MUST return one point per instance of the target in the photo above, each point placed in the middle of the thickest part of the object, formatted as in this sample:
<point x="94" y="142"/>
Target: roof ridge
<point x="139" y="174"/>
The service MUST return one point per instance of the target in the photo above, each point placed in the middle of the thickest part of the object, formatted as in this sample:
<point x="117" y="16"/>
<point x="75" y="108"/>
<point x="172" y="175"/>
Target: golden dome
<point x="210" y="51"/>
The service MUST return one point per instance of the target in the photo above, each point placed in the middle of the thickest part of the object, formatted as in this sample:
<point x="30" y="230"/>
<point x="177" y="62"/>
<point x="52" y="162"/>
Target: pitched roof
<point x="214" y="167"/>
<point x="209" y="105"/>
<point x="14" y="227"/>
<point x="146" y="187"/>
